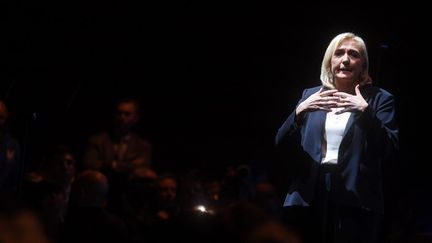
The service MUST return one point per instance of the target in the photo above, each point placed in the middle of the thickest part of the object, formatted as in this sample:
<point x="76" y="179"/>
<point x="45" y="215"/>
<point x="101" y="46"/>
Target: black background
<point x="216" y="78"/>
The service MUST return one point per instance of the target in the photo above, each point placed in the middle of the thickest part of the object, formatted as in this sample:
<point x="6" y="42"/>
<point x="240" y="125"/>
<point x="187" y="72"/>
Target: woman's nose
<point x="345" y="58"/>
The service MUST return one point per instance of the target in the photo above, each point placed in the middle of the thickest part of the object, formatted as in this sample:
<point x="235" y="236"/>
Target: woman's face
<point x="347" y="62"/>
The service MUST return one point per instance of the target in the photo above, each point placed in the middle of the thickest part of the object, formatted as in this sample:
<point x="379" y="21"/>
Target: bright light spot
<point x="201" y="208"/>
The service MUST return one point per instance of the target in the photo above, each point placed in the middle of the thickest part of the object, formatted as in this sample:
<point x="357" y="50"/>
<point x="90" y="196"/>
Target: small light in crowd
<point x="203" y="209"/>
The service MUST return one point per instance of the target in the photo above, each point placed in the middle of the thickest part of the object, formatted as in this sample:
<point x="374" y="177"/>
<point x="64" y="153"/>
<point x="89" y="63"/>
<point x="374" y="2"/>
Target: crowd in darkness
<point x="112" y="192"/>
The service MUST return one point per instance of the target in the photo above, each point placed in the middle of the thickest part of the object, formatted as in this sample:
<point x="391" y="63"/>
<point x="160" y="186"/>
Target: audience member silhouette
<point x="117" y="151"/>
<point x="87" y="219"/>
<point x="137" y="203"/>
<point x="19" y="223"/>
<point x="9" y="155"/>
<point x="121" y="148"/>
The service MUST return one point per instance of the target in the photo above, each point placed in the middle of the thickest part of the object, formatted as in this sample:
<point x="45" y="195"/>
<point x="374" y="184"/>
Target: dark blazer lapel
<point x="315" y="134"/>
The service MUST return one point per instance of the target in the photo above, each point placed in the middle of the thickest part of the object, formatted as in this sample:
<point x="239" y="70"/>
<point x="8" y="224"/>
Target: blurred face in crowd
<point x="126" y="115"/>
<point x="64" y="166"/>
<point x="3" y="114"/>
<point x="24" y="227"/>
<point x="167" y="189"/>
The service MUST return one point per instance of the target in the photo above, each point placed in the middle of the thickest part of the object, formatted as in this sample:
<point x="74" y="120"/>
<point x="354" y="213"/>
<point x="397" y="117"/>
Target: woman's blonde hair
<point x="326" y="74"/>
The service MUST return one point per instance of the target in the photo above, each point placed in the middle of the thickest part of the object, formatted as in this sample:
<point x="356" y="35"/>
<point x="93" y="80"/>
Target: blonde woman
<point x="343" y="130"/>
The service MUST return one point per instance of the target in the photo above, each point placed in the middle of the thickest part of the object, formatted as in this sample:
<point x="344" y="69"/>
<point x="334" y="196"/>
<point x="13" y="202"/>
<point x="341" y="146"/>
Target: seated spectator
<point x="9" y="155"/>
<point x="87" y="219"/>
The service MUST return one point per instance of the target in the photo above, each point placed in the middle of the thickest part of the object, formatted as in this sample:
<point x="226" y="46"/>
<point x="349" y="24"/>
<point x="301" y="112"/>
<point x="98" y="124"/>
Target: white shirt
<point x="334" y="130"/>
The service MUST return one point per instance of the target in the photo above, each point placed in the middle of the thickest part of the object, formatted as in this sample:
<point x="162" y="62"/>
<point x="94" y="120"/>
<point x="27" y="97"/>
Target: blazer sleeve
<point x="379" y="123"/>
<point x="290" y="127"/>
